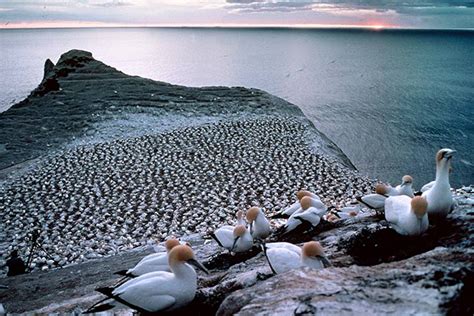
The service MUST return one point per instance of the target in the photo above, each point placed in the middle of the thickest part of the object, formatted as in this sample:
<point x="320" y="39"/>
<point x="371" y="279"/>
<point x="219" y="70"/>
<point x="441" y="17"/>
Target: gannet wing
<point x="282" y="260"/>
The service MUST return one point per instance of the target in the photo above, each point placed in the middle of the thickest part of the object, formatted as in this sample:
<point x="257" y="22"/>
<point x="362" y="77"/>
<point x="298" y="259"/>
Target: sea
<point x="388" y="98"/>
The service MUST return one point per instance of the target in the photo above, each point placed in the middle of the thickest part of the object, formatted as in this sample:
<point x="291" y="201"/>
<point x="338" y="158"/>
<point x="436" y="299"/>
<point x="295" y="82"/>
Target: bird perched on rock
<point x="158" y="291"/>
<point x="152" y="262"/>
<point x="376" y="201"/>
<point x="259" y="225"/>
<point x="296" y="206"/>
<point x="439" y="197"/>
<point x="308" y="216"/>
<point x="235" y="239"/>
<point x="408" y="216"/>
<point x="283" y="256"/>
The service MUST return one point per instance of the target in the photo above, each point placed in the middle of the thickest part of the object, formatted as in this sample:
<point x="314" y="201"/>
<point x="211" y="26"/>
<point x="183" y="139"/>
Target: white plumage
<point x="406" y="215"/>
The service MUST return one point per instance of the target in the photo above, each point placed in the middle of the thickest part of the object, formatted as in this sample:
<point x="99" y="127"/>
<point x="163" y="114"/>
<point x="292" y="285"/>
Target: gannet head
<point x="239" y="231"/>
<point x="443" y="156"/>
<point x="305" y="202"/>
<point x="302" y="193"/>
<point x="240" y="215"/>
<point x="419" y="206"/>
<point x="407" y="180"/>
<point x="381" y="189"/>
<point x="313" y="249"/>
<point x="171" y="243"/>
<point x="252" y="214"/>
<point x="184" y="254"/>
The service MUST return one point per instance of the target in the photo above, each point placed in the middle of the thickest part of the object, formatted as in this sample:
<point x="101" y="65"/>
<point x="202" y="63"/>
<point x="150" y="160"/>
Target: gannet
<point x="309" y="215"/>
<point x="375" y="200"/>
<point x="296" y="206"/>
<point x="259" y="225"/>
<point x="159" y="291"/>
<point x="283" y="256"/>
<point x="241" y="218"/>
<point x="439" y="197"/>
<point x="429" y="185"/>
<point x="407" y="215"/>
<point x="235" y="239"/>
<point x="405" y="188"/>
<point x="153" y="262"/>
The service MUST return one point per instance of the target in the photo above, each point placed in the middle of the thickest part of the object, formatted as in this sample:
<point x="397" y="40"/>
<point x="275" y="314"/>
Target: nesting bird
<point x="309" y="216"/>
<point x="159" y="291"/>
<point x="259" y="225"/>
<point x="283" y="256"/>
<point x="439" y="197"/>
<point x="235" y="239"/>
<point x="408" y="216"/>
<point x="152" y="262"/>
<point x="382" y="191"/>
<point x="287" y="212"/>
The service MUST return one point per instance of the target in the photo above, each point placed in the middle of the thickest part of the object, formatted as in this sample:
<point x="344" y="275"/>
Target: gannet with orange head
<point x="152" y="262"/>
<point x="283" y="256"/>
<point x="235" y="239"/>
<point x="439" y="196"/>
<point x="297" y="206"/>
<point x="408" y="216"/>
<point x="309" y="214"/>
<point x="259" y="225"/>
<point x="160" y="291"/>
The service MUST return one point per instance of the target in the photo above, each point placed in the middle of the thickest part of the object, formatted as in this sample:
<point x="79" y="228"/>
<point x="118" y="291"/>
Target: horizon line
<point x="90" y="25"/>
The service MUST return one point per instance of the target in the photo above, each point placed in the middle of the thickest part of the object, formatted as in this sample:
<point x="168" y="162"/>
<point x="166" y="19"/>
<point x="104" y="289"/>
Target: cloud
<point x="328" y="5"/>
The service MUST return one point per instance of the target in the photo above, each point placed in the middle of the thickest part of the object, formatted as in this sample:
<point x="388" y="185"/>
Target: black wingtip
<point x="264" y="248"/>
<point x="279" y="215"/>
<point x="419" y="193"/>
<point x="122" y="272"/>
<point x="215" y="238"/>
<point x="107" y="291"/>
<point x="99" y="308"/>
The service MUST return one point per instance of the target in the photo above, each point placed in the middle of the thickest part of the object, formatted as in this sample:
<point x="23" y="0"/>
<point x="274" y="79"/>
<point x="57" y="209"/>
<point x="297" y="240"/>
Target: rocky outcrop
<point x="80" y="97"/>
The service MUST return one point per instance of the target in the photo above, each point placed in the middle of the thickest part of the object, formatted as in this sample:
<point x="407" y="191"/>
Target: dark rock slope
<point x="79" y="92"/>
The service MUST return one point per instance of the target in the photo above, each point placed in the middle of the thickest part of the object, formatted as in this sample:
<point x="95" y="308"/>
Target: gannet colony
<point x="252" y="175"/>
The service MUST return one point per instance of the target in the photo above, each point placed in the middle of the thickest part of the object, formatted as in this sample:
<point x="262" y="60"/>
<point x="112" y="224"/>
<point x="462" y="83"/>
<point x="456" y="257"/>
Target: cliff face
<point x="79" y="95"/>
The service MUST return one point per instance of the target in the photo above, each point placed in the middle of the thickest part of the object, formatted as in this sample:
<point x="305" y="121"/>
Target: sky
<point x="439" y="14"/>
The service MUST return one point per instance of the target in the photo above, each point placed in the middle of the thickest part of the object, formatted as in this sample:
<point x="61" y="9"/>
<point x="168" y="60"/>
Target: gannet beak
<point x="198" y="265"/>
<point x="449" y="154"/>
<point x="235" y="242"/>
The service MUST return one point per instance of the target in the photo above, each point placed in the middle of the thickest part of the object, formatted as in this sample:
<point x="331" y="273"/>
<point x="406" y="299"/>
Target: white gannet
<point x="439" y="197"/>
<point x="259" y="225"/>
<point x="407" y="215"/>
<point x="283" y="256"/>
<point x="382" y="191"/>
<point x="159" y="291"/>
<point x="308" y="214"/>
<point x="152" y="262"/>
<point x="296" y="206"/>
<point x="429" y="185"/>
<point x="235" y="239"/>
<point x="241" y="218"/>
<point x="405" y="188"/>
<point x="375" y="200"/>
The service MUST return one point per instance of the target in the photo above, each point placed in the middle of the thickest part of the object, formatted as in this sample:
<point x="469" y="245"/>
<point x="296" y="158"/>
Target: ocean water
<point x="388" y="99"/>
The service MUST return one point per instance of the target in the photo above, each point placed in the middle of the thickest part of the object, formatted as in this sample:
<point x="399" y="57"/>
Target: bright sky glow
<point x="296" y="13"/>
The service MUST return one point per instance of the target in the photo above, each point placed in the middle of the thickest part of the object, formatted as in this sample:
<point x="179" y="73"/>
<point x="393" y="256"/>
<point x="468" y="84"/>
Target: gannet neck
<point x="183" y="270"/>
<point x="442" y="173"/>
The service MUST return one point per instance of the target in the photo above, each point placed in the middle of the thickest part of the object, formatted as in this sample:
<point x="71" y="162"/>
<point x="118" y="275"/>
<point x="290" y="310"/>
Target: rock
<point x="48" y="68"/>
<point x="434" y="282"/>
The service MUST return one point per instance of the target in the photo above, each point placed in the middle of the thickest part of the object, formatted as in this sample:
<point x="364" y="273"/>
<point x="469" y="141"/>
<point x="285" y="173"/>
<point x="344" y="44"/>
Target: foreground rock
<point x="437" y="280"/>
